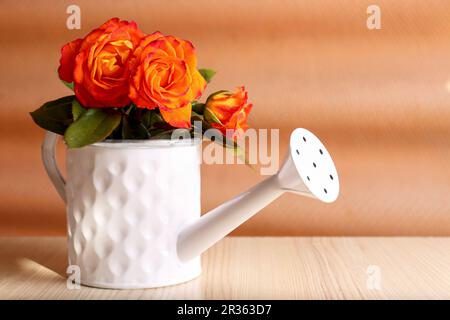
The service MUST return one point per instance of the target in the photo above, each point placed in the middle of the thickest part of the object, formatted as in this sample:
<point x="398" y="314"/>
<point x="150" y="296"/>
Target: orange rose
<point x="100" y="64"/>
<point x="67" y="61"/>
<point x="167" y="77"/>
<point x="230" y="112"/>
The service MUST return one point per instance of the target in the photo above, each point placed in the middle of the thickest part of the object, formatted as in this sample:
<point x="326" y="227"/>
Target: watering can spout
<point x="308" y="170"/>
<point x="216" y="224"/>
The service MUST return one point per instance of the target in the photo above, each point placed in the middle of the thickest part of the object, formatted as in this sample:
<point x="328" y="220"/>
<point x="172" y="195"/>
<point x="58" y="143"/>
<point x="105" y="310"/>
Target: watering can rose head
<point x="129" y="85"/>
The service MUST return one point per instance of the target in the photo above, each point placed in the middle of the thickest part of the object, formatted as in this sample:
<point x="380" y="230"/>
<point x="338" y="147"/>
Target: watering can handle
<point x="49" y="160"/>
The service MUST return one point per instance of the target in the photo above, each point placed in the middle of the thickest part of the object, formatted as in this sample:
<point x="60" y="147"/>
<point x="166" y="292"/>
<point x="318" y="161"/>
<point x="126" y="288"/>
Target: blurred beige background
<point x="379" y="99"/>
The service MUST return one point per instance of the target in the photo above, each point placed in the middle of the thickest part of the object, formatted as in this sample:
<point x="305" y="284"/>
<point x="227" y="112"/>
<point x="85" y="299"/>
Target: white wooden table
<point x="255" y="268"/>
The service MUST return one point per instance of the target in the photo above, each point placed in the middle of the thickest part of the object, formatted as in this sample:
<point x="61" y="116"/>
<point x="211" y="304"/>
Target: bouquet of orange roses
<point x="129" y="85"/>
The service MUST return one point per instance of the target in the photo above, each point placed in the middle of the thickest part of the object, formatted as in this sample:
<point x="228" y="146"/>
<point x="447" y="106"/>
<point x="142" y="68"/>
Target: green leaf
<point x="207" y="74"/>
<point x="77" y="109"/>
<point x="130" y="109"/>
<point x="210" y="117"/>
<point x="237" y="150"/>
<point x="198" y="108"/>
<point x="68" y="84"/>
<point x="92" y="126"/>
<point x="150" y="118"/>
<point x="133" y="130"/>
<point x="54" y="116"/>
<point x="116" y="134"/>
<point x="161" y="134"/>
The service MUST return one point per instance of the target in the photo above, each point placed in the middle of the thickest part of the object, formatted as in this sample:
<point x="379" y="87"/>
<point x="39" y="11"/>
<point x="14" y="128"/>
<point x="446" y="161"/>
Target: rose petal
<point x="179" y="118"/>
<point x="67" y="61"/>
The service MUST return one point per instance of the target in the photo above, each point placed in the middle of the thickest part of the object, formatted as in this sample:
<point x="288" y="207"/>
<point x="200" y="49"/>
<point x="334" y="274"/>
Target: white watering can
<point x="133" y="207"/>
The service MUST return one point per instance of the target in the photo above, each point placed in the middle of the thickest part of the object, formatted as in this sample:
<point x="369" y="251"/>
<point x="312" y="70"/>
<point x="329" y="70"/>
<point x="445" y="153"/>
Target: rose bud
<point x="228" y="112"/>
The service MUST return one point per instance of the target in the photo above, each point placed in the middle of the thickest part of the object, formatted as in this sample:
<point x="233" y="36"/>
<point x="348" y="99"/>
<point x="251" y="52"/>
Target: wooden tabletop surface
<point x="255" y="268"/>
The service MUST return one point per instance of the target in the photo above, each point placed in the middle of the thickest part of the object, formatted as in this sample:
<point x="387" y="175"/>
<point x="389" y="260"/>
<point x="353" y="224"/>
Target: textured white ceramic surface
<point x="126" y="203"/>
